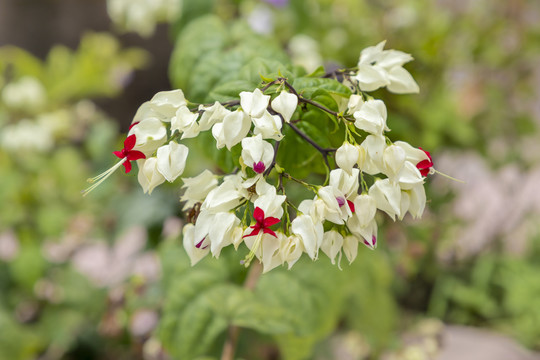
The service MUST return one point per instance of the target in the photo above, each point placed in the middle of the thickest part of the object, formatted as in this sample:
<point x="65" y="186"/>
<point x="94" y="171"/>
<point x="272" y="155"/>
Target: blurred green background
<point x="106" y="277"/>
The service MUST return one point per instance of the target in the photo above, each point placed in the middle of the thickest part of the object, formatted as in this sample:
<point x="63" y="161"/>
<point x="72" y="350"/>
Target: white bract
<point x="257" y="153"/>
<point x="232" y="130"/>
<point x="371" y="117"/>
<point x="197" y="188"/>
<point x="378" y="68"/>
<point x="185" y="122"/>
<point x="171" y="160"/>
<point x="269" y="126"/>
<point x="347" y="156"/>
<point x="150" y="134"/>
<point x="285" y="104"/>
<point x="310" y="233"/>
<point x="149" y="176"/>
<point x="254" y="103"/>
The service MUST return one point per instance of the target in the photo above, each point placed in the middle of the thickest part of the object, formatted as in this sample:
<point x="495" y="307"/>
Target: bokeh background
<point x="97" y="277"/>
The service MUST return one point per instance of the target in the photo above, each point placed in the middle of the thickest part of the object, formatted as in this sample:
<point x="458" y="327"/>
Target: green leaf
<point x="307" y="86"/>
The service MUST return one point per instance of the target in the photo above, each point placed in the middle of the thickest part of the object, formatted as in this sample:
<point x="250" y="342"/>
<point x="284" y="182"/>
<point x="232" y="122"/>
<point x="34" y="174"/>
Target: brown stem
<point x="229" y="347"/>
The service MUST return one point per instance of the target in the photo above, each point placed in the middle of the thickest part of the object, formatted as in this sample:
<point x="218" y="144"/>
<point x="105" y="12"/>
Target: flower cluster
<point x="371" y="172"/>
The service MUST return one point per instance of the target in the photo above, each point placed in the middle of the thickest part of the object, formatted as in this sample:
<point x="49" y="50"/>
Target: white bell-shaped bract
<point x="336" y="208"/>
<point x="171" y="160"/>
<point x="355" y="103"/>
<point x="409" y="176"/>
<point x="290" y="249"/>
<point x="401" y="81"/>
<point x="332" y="244"/>
<point x="417" y="196"/>
<point x="387" y="195"/>
<point x="346" y="183"/>
<point x="232" y="130"/>
<point x="254" y="103"/>
<point x="378" y="68"/>
<point x="223" y="198"/>
<point x="372" y="117"/>
<point x="347" y="156"/>
<point x="310" y="232"/>
<point x="365" y="208"/>
<point x="350" y="247"/>
<point x="150" y="134"/>
<point x="185" y="122"/>
<point x="285" y="104"/>
<point x="271" y="203"/>
<point x="393" y="160"/>
<point x="218" y="229"/>
<point x="412" y="154"/>
<point x="212" y="115"/>
<point x="162" y="106"/>
<point x="257" y="153"/>
<point x="367" y="233"/>
<point x="195" y="251"/>
<point x="315" y="208"/>
<point x="149" y="176"/>
<point x="265" y="247"/>
<point x="197" y="188"/>
<point x="374" y="146"/>
<point x="269" y="126"/>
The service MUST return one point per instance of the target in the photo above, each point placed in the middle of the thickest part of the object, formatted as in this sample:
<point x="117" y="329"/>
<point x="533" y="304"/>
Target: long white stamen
<point x="254" y="248"/>
<point x="102" y="177"/>
<point x="448" y="176"/>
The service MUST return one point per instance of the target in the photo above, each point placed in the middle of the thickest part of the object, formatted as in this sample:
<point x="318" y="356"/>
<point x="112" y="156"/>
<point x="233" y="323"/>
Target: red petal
<point x="269" y="221"/>
<point x="135" y="155"/>
<point x="120" y="154"/>
<point x="132" y="125"/>
<point x="351" y="205"/>
<point x="268" y="231"/>
<point x="253" y="233"/>
<point x="258" y="215"/>
<point x="130" y="141"/>
<point x="127" y="165"/>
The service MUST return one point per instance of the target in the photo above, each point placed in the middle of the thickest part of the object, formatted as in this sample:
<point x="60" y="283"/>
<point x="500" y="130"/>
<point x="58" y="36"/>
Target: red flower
<point x="425" y="165"/>
<point x="262" y="223"/>
<point x="128" y="152"/>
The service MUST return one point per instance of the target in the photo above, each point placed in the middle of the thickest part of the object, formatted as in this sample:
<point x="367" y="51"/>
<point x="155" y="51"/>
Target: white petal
<point x="195" y="254"/>
<point x="171" y="160"/>
<point x="370" y="78"/>
<point x="149" y="177"/>
<point x="285" y="104"/>
<point x="254" y="104"/>
<point x="401" y="81"/>
<point x="347" y="157"/>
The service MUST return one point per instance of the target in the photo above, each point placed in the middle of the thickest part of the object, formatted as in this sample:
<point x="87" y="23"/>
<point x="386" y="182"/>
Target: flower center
<point x="259" y="167"/>
<point x="341" y="201"/>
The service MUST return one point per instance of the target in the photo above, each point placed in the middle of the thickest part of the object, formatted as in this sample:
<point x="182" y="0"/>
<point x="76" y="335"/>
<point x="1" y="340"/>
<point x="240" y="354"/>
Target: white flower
<point x="374" y="146"/>
<point x="372" y="117"/>
<point x="269" y="126"/>
<point x="266" y="248"/>
<point x="232" y="130"/>
<point x="378" y="68"/>
<point x="162" y="106"/>
<point x="347" y="156"/>
<point x="223" y="198"/>
<point x="345" y="183"/>
<point x="254" y="103"/>
<point x="417" y="198"/>
<point x="350" y="247"/>
<point x="362" y="223"/>
<point x="257" y="153"/>
<point x="332" y="244"/>
<point x="195" y="251"/>
<point x="218" y="229"/>
<point x="149" y="177"/>
<point x="185" y="122"/>
<point x="355" y="103"/>
<point x="171" y="160"/>
<point x="336" y="208"/>
<point x="270" y="203"/>
<point x="387" y="195"/>
<point x="412" y="154"/>
<point x="310" y="233"/>
<point x="150" y="134"/>
<point x="285" y="104"/>
<point x="212" y="115"/>
<point x="409" y="176"/>
<point x="393" y="160"/>
<point x="290" y="249"/>
<point x="197" y="188"/>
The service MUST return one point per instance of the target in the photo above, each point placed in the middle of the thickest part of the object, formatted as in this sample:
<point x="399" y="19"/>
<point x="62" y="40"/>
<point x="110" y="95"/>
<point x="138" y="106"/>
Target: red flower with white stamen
<point x="262" y="223"/>
<point x="425" y="165"/>
<point x="128" y="153"/>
